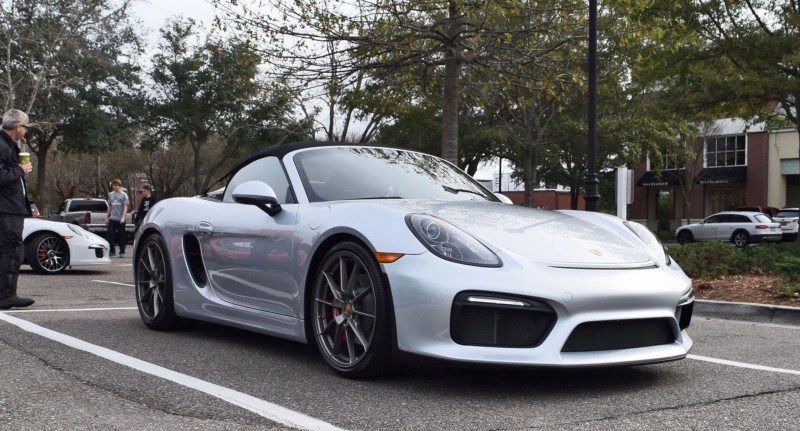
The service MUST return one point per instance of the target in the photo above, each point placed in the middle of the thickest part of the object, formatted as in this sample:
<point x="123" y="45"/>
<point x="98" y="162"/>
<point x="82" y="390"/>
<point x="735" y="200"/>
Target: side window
<point x="741" y="219"/>
<point x="714" y="219"/>
<point x="267" y="170"/>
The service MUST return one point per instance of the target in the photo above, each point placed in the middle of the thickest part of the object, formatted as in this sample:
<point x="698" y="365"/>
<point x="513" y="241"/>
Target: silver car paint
<point x="531" y="244"/>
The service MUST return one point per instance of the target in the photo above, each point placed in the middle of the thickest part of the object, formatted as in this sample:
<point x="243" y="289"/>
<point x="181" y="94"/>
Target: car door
<point x="248" y="253"/>
<point x="707" y="229"/>
<point x="731" y="222"/>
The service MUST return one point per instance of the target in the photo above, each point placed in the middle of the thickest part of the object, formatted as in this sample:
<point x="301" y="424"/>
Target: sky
<point x="155" y="13"/>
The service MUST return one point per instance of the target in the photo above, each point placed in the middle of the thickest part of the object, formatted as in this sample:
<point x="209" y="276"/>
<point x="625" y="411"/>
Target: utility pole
<point x="592" y="194"/>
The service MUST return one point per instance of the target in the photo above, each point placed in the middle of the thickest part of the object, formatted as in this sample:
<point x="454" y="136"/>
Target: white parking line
<point x="743" y="365"/>
<point x="113" y="282"/>
<point x="258" y="406"/>
<point x="56" y="310"/>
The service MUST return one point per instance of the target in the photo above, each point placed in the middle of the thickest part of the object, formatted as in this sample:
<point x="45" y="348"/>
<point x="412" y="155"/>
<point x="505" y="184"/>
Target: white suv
<point x="788" y="218"/>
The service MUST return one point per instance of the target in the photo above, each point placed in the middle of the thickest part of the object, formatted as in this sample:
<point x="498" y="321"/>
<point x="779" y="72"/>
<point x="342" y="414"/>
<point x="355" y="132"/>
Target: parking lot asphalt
<point x="761" y="313"/>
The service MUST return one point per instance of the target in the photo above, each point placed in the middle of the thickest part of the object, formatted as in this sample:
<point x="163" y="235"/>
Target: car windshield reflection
<point x="348" y="173"/>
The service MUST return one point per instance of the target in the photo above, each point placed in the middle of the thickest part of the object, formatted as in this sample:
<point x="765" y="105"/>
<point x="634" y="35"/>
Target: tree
<point x="58" y="54"/>
<point x="424" y="41"/>
<point x="210" y="93"/>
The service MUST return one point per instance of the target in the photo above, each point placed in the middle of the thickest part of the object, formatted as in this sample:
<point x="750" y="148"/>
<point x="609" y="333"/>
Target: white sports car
<point x="373" y="252"/>
<point x="52" y="246"/>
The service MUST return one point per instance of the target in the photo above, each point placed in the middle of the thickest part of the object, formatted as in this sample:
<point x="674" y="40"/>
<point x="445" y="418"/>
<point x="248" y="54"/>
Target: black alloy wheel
<point x="47" y="253"/>
<point x="153" y="281"/>
<point x="350" y="312"/>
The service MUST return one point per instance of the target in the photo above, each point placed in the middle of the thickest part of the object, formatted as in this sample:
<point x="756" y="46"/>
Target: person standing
<point x="115" y="218"/>
<point x="147" y="201"/>
<point x="14" y="207"/>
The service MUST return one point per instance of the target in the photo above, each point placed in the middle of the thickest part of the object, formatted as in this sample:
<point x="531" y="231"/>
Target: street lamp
<point x="592" y="195"/>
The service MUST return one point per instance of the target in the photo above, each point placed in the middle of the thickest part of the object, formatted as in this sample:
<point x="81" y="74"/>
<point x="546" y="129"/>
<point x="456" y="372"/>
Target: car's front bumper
<point x="85" y="252"/>
<point x="424" y="288"/>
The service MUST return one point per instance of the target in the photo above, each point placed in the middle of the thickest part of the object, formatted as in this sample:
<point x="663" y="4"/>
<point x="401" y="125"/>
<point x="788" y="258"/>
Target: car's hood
<point x="549" y="237"/>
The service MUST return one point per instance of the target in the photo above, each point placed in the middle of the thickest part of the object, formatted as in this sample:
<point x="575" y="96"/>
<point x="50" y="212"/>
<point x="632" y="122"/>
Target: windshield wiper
<point x="456" y="191"/>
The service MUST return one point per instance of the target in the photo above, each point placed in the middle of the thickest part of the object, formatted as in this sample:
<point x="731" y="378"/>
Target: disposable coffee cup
<point x="24" y="158"/>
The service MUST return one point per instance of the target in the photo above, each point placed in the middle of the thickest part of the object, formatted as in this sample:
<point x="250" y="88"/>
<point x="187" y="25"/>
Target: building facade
<point x="738" y="166"/>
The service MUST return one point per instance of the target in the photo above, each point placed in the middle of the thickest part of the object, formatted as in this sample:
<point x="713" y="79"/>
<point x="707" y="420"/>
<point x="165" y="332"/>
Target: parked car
<point x="770" y="211"/>
<point x="89" y="214"/>
<point x="788" y="219"/>
<point x="51" y="247"/>
<point x="370" y="252"/>
<point x="739" y="227"/>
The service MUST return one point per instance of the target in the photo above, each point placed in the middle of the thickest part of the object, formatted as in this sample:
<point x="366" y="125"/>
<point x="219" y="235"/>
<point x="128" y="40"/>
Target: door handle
<point x="204" y="228"/>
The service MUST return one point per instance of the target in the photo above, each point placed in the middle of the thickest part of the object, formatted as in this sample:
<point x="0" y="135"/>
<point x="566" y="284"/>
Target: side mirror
<point x="258" y="194"/>
<point x="503" y="198"/>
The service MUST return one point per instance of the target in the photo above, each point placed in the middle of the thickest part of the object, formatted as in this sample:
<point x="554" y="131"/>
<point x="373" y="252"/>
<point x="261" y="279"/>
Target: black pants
<point x="116" y="235"/>
<point x="10" y="252"/>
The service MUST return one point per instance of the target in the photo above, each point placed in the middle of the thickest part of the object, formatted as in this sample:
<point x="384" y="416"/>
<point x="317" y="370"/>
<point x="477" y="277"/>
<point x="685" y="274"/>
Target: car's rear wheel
<point x="685" y="237"/>
<point x="351" y="313"/>
<point x="47" y="253"/>
<point x="153" y="281"/>
<point x="740" y="238"/>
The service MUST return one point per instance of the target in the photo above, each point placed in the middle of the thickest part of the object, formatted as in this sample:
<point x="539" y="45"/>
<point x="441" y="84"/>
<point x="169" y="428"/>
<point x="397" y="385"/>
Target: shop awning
<point x="670" y="178"/>
<point x="723" y="175"/>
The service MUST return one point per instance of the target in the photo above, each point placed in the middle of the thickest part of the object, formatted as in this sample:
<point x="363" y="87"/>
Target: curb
<point x="748" y="312"/>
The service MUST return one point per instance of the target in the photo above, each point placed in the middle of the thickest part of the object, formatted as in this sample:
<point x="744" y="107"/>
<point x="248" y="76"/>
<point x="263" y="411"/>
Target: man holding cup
<point x="14" y="206"/>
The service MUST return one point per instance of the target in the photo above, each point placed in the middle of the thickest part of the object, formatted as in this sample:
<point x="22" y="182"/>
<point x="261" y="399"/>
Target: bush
<point x="710" y="259"/>
<point x="714" y="259"/>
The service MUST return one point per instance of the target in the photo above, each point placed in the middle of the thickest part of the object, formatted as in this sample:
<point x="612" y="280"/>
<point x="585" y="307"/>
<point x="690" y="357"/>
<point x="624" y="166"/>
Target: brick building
<point x="738" y="166"/>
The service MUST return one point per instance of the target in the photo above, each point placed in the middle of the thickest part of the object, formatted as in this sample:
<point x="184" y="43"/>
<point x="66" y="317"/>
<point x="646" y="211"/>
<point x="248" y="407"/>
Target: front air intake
<point x="619" y="334"/>
<point x="481" y="319"/>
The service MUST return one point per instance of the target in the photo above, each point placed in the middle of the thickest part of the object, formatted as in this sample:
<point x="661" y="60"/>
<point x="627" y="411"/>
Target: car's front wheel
<point x="685" y="237"/>
<point x="47" y="253"/>
<point x="153" y="281"/>
<point x="350" y="312"/>
<point x="740" y="238"/>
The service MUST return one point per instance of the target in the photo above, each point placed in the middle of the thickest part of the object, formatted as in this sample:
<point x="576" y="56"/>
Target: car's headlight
<point x="650" y="240"/>
<point x="79" y="231"/>
<point x="449" y="242"/>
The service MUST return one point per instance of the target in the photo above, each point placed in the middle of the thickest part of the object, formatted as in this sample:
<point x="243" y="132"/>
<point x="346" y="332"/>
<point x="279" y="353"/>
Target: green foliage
<point x="715" y="259"/>
<point x="68" y="65"/>
<point x="208" y="95"/>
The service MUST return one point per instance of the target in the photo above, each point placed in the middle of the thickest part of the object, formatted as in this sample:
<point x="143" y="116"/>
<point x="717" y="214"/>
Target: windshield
<point x="344" y="173"/>
<point x="787" y="214"/>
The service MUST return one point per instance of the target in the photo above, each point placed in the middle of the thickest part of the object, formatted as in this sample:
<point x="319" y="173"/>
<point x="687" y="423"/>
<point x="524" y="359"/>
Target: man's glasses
<point x="25" y="126"/>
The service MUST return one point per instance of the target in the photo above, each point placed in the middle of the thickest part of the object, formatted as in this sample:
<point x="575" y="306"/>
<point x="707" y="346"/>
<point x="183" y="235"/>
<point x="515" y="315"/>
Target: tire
<point x="153" y="285"/>
<point x="685" y="237"/>
<point x="351" y="313"/>
<point x="740" y="238"/>
<point x="47" y="253"/>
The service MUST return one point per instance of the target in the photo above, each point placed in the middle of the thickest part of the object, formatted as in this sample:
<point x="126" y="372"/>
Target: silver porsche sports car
<point x="373" y="252"/>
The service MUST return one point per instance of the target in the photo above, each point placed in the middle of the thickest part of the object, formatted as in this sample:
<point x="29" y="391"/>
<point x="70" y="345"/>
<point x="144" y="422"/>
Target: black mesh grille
<point x="98" y="252"/>
<point x="684" y="315"/>
<point x="619" y="334"/>
<point x="478" y="324"/>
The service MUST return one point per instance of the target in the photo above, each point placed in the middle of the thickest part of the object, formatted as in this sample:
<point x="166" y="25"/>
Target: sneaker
<point x="122" y="255"/>
<point x="112" y="254"/>
<point x="15" y="301"/>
